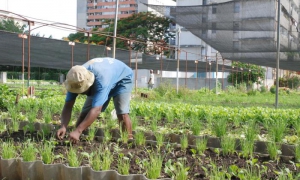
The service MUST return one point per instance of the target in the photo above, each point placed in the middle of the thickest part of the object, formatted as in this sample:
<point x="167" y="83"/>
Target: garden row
<point x="108" y="154"/>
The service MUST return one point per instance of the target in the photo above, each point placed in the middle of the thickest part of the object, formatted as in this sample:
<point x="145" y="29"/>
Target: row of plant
<point x="154" y="159"/>
<point x="265" y="124"/>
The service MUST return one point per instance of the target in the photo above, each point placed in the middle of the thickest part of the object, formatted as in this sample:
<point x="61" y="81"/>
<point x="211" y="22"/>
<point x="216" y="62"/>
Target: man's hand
<point x="74" y="136"/>
<point x="60" y="134"/>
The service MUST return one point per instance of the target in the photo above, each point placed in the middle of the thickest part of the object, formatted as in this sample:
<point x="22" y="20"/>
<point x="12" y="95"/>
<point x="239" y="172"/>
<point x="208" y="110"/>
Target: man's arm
<point x="66" y="113"/>
<point x="89" y="119"/>
<point x="65" y="119"/>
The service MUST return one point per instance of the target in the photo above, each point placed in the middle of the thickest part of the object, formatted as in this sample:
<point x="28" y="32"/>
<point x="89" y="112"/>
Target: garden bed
<point x="188" y="160"/>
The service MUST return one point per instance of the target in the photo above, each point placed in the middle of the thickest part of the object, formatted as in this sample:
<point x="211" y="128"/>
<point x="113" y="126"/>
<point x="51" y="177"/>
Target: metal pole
<point x="223" y="75"/>
<point x="28" y="75"/>
<point x="136" y="71"/>
<point x="88" y="48"/>
<point x="217" y="73"/>
<point x="196" y="84"/>
<point x="129" y="53"/>
<point x="23" y="53"/>
<point x="185" y="68"/>
<point x="205" y="73"/>
<point x="161" y="65"/>
<point x="178" y="53"/>
<point x="209" y="73"/>
<point x="115" y="29"/>
<point x="72" y="56"/>
<point x="278" y="54"/>
<point x="266" y="78"/>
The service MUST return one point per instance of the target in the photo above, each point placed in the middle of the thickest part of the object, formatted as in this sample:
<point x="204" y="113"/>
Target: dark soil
<point x="196" y="163"/>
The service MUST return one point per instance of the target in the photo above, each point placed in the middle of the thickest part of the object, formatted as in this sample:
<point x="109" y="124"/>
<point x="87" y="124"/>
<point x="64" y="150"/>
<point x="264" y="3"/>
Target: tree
<point x="11" y="26"/>
<point x="146" y="30"/>
<point x="243" y="72"/>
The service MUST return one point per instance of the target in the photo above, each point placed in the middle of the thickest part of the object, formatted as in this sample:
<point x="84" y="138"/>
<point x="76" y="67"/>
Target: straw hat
<point x="79" y="79"/>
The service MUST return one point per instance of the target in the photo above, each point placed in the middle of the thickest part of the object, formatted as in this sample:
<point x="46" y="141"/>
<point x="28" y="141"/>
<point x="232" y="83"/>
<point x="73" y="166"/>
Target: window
<point x="235" y="34"/>
<point x="214" y="9"/>
<point x="204" y="18"/>
<point x="204" y="33"/>
<point x="203" y="51"/>
<point x="236" y="7"/>
<point x="213" y="27"/>
<point x="236" y="45"/>
<point x="236" y="25"/>
<point x="204" y="2"/>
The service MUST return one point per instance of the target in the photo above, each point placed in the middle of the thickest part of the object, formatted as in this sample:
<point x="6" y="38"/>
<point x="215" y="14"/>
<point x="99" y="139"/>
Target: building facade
<point x="93" y="13"/>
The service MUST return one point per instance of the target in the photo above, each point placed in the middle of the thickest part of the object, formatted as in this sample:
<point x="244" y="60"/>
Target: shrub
<point x="263" y="89"/>
<point x="273" y="89"/>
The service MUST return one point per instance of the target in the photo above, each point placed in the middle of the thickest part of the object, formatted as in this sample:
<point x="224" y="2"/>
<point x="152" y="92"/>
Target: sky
<point x="49" y="11"/>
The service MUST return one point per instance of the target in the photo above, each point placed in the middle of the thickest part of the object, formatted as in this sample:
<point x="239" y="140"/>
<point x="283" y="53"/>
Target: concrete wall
<point x="3" y="77"/>
<point x="191" y="83"/>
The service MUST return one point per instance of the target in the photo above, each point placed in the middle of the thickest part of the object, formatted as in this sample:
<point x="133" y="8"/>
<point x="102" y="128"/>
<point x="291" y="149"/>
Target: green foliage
<point x="123" y="164"/>
<point x="29" y="151"/>
<point x="273" y="89"/>
<point x="142" y="27"/>
<point x="8" y="150"/>
<point x="153" y="165"/>
<point x="7" y="96"/>
<point x="73" y="159"/>
<point x="291" y="81"/>
<point x="46" y="152"/>
<point x="11" y="26"/>
<point x="166" y="90"/>
<point x="243" y="72"/>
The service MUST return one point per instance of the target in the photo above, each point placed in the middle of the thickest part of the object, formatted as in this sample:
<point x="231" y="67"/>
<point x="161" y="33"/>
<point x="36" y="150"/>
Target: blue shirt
<point x="112" y="77"/>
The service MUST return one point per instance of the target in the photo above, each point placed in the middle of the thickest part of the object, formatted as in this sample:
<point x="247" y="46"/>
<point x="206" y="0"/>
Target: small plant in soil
<point x="201" y="145"/>
<point x="73" y="159"/>
<point x="29" y="151"/>
<point x="273" y="150"/>
<point x="14" y="126"/>
<point x="251" y="131"/>
<point x="153" y="165"/>
<point x="2" y="126"/>
<point x="214" y="172"/>
<point x="47" y="115"/>
<point x="110" y="123"/>
<point x="195" y="126"/>
<point x="8" y="150"/>
<point x="124" y="136"/>
<point x="153" y="125"/>
<point x="228" y="145"/>
<point x="219" y="127"/>
<point x="297" y="153"/>
<point x="277" y="128"/>
<point x="296" y="126"/>
<point x="46" y="152"/>
<point x="91" y="132"/>
<point x="184" y="142"/>
<point x="134" y="121"/>
<point x="106" y="157"/>
<point x="286" y="174"/>
<point x="252" y="172"/>
<point x="45" y="131"/>
<point x="177" y="170"/>
<point x="139" y="138"/>
<point x="170" y="116"/>
<point x="12" y="111"/>
<point x="123" y="164"/>
<point x="159" y="140"/>
<point x="247" y="148"/>
<point x="107" y="136"/>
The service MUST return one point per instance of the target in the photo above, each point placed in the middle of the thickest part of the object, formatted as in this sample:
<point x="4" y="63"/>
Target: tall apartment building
<point x="92" y="13"/>
<point x="251" y="45"/>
